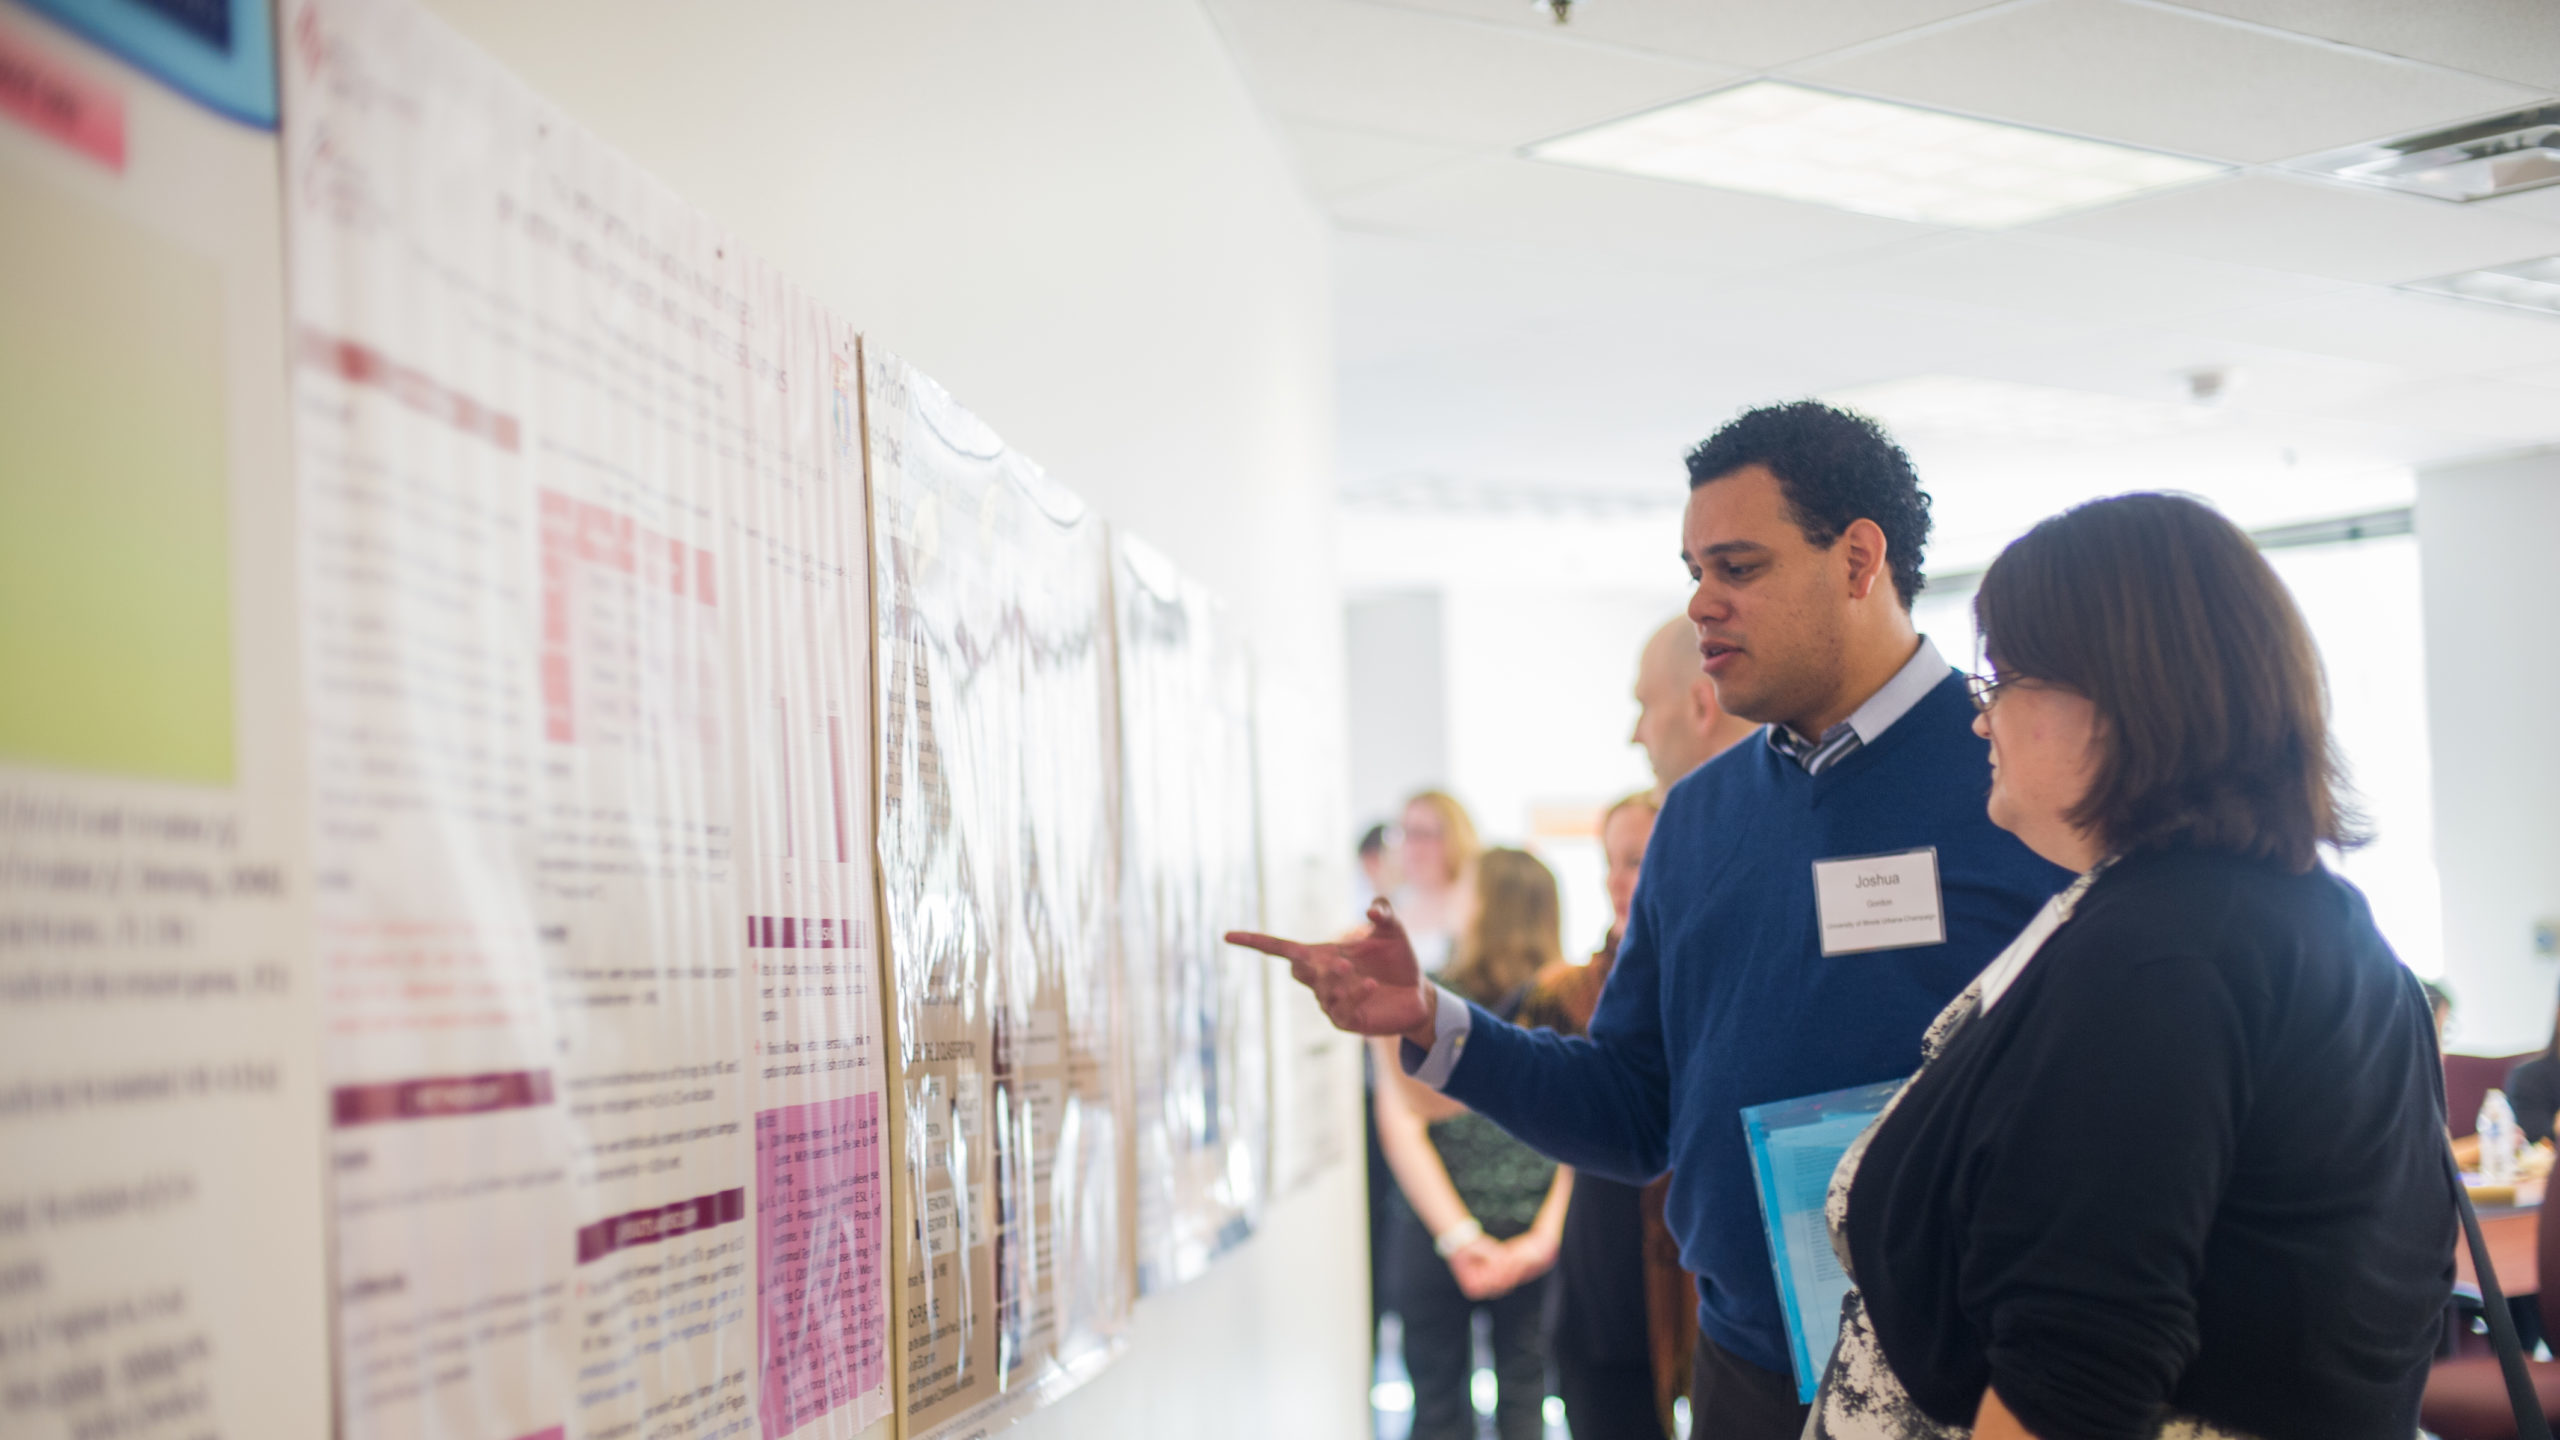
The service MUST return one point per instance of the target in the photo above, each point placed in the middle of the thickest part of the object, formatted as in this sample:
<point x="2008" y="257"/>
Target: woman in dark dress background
<point x="1479" y="1215"/>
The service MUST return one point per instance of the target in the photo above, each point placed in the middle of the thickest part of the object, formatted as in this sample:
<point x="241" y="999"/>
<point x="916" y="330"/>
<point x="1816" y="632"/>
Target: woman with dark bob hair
<point x="2174" y="1165"/>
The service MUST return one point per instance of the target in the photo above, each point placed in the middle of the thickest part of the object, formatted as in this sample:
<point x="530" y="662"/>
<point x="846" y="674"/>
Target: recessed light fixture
<point x="1871" y="156"/>
<point x="1969" y="408"/>
<point x="2526" y="285"/>
<point x="2498" y="156"/>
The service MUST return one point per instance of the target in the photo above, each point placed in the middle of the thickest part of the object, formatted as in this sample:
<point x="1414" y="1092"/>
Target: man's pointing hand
<point x="1368" y="985"/>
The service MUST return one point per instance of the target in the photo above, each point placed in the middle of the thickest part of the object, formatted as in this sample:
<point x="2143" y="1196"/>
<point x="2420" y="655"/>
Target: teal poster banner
<point x="219" y="53"/>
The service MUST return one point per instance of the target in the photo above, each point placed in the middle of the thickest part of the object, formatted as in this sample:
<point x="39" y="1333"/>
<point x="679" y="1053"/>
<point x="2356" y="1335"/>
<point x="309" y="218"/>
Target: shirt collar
<point x="1918" y="676"/>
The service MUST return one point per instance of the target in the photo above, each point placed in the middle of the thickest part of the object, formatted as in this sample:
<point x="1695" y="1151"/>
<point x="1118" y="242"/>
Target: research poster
<point x="1190" y="872"/>
<point x="159" y="1085"/>
<point x="581" y="530"/>
<point x="996" y="864"/>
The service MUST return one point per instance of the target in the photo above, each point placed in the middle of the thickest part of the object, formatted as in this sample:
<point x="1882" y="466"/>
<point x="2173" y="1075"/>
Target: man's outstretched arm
<point x="1600" y="1104"/>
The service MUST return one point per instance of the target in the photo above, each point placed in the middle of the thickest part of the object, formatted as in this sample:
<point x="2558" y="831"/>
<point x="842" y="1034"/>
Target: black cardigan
<point x="2194" y="1159"/>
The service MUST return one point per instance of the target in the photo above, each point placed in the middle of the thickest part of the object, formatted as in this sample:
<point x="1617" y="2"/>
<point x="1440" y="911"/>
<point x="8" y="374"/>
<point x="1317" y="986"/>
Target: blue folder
<point x="1795" y="1145"/>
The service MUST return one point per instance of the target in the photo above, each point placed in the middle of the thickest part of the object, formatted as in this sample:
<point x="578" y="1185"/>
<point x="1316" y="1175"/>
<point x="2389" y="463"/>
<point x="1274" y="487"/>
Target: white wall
<point x="1542" y="613"/>
<point x="2485" y="533"/>
<point x="1072" y="217"/>
<point x="1396" y="650"/>
<point x="1541" y="715"/>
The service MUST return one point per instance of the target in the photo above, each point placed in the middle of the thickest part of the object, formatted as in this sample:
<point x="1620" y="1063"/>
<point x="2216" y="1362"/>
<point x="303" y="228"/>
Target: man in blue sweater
<point x="1809" y="901"/>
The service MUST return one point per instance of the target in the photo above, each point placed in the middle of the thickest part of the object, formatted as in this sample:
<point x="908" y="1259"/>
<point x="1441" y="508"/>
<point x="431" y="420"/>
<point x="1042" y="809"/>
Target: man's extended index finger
<point x="1289" y="950"/>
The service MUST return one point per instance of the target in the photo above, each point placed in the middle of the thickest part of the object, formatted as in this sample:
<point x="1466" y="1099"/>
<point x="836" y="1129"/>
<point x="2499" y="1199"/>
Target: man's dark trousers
<point x="1732" y="1399"/>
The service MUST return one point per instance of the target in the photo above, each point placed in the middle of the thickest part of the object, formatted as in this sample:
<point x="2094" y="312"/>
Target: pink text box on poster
<point x="820" y="1236"/>
<point x="59" y="102"/>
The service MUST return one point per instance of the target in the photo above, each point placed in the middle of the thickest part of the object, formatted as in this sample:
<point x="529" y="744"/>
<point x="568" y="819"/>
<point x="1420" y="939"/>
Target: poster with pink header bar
<point x="583" y="534"/>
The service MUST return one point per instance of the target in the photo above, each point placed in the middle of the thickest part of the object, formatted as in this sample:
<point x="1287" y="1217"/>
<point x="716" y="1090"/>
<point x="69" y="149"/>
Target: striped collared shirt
<point x="1918" y="676"/>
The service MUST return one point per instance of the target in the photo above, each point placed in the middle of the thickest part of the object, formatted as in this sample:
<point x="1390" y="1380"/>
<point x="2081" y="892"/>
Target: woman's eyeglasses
<point x="1986" y="688"/>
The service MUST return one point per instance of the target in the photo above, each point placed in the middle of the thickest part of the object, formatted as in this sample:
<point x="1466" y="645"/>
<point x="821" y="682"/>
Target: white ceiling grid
<point x="1520" y="325"/>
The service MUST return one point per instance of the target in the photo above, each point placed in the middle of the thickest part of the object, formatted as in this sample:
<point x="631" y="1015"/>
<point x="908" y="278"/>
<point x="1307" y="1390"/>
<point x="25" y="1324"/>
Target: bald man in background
<point x="1681" y="727"/>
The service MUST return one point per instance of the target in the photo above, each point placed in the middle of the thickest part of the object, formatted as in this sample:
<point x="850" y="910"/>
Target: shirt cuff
<point x="1451" y="1021"/>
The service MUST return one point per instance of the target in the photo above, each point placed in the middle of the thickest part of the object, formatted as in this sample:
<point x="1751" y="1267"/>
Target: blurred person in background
<point x="1621" y="1313"/>
<point x="2440" y="1005"/>
<point x="2097" y="1209"/>
<point x="2533" y="1089"/>
<point x="1430" y="866"/>
<point x="1482" y="1214"/>
<point x="1678" y="721"/>
<point x="1377" y="877"/>
<point x="1436" y="857"/>
<point x="2466" y="1148"/>
<point x="1377" y="869"/>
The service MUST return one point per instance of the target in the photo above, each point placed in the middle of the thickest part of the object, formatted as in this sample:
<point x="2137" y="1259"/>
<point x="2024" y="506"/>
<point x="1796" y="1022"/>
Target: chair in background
<point x="2467" y="1395"/>
<point x="2468" y="1079"/>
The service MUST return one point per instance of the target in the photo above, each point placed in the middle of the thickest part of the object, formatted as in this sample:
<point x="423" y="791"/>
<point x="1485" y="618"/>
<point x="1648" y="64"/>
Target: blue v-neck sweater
<point x="1722" y="997"/>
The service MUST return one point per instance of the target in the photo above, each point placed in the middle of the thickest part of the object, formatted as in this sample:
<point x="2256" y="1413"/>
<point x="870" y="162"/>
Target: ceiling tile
<point x="1425" y="77"/>
<point x="1336" y="162"/>
<point x="2152" y="364"/>
<point x="2515" y="40"/>
<point x="1586" y="213"/>
<point x="2423" y="332"/>
<point x="1539" y="366"/>
<point x="2542" y="204"/>
<point x="2316" y="229"/>
<point x="2546" y="376"/>
<point x="2489" y="409"/>
<point x="1757" y="36"/>
<point x="2062" y="278"/>
<point x="2156" y="77"/>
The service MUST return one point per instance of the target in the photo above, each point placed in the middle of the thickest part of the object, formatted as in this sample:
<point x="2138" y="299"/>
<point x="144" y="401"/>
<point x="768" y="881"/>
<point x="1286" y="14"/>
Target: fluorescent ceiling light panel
<point x="2497" y="156"/>
<point x="2527" y="285"/>
<point x="1871" y="156"/>
<point x="1964" y="407"/>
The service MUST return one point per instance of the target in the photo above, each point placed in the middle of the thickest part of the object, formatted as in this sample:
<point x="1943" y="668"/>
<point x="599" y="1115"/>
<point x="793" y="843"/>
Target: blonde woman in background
<point x="1482" y="1213"/>
<point x="1437" y="854"/>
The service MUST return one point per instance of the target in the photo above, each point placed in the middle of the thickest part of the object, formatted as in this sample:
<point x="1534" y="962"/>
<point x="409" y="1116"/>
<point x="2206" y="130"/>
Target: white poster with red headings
<point x="588" y="625"/>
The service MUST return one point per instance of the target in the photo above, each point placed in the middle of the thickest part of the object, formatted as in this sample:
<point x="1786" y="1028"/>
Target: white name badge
<point x="1879" y="902"/>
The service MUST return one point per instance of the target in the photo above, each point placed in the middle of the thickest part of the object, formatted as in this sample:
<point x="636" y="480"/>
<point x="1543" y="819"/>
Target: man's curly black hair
<point x="1835" y="467"/>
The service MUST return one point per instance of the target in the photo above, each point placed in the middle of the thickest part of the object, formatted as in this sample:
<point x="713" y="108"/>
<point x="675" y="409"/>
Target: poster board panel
<point x="1190" y="871"/>
<point x="583" y="531"/>
<point x="996" y="874"/>
<point x="160" y="1146"/>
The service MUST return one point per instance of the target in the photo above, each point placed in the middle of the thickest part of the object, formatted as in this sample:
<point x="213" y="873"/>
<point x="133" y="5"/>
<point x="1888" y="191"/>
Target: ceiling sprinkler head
<point x="1558" y="10"/>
